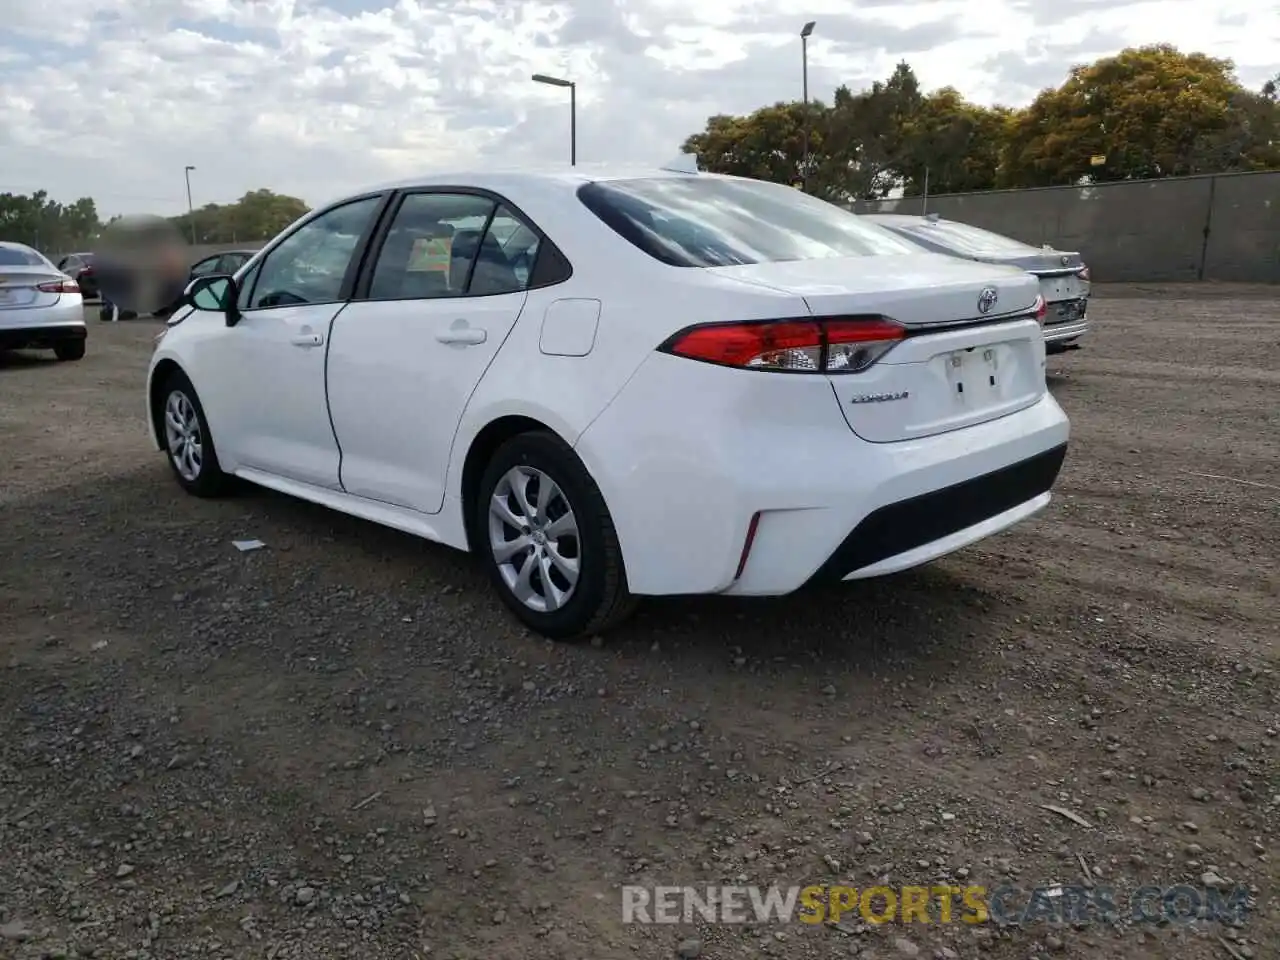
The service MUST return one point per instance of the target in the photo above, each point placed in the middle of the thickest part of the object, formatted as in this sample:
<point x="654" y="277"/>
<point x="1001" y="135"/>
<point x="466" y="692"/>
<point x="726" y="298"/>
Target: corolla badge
<point x="880" y="397"/>
<point x="987" y="299"/>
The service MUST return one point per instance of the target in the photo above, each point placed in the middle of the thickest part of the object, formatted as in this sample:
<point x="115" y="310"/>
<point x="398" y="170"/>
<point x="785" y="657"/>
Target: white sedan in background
<point x="41" y="308"/>
<point x="1063" y="275"/>
<point x="612" y="385"/>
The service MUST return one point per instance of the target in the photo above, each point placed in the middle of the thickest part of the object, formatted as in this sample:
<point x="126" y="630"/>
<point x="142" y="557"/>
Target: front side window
<point x="310" y="264"/>
<point x="714" y="222"/>
<point x="446" y="245"/>
<point x="965" y="239"/>
<point x="207" y="265"/>
<point x="231" y="262"/>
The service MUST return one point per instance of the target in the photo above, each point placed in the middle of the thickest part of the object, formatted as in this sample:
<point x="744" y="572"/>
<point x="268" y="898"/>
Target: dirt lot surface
<point x="340" y="746"/>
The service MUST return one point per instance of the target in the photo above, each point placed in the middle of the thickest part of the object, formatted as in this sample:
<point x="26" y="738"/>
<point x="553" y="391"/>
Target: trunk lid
<point x="917" y="290"/>
<point x="18" y="287"/>
<point x="1058" y="272"/>
<point x="979" y="366"/>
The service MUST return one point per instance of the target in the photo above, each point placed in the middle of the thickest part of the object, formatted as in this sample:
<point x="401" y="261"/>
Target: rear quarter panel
<point x="640" y="309"/>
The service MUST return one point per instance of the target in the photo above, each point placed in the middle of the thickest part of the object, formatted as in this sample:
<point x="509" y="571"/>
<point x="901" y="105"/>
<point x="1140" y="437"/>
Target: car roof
<point x="14" y="245"/>
<point x="502" y="180"/>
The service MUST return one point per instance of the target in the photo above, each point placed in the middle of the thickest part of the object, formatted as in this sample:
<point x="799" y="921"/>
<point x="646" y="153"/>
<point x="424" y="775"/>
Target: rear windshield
<point x="20" y="257"/>
<point x="710" y="222"/>
<point x="966" y="239"/>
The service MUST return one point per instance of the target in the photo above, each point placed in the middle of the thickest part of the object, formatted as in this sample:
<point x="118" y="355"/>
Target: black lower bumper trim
<point x="908" y="524"/>
<point x="39" y="338"/>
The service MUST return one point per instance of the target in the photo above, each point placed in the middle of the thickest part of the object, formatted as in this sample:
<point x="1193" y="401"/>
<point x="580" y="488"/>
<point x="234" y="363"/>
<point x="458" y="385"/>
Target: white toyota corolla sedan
<point x="621" y="384"/>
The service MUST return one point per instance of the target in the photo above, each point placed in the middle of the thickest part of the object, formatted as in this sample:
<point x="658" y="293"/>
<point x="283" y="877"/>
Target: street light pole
<point x="191" y="212"/>
<point x="805" y="32"/>
<point x="573" y="110"/>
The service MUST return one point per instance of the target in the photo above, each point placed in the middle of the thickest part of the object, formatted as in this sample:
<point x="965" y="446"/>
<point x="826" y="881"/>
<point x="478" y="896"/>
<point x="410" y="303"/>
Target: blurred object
<point x="142" y="266"/>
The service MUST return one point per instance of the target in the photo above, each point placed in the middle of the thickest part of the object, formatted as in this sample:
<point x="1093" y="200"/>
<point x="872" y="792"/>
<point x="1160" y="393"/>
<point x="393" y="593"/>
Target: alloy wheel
<point x="184" y="436"/>
<point x="533" y="535"/>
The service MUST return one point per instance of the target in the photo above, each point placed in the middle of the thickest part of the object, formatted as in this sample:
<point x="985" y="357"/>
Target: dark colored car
<point x="80" y="267"/>
<point x="228" y="261"/>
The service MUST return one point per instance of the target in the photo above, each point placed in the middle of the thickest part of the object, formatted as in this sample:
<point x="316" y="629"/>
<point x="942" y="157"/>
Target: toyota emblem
<point x="987" y="299"/>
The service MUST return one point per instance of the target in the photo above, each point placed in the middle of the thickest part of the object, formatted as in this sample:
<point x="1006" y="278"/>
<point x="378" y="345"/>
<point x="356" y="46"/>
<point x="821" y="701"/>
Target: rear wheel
<point x="69" y="350"/>
<point x="188" y="442"/>
<point x="548" y="541"/>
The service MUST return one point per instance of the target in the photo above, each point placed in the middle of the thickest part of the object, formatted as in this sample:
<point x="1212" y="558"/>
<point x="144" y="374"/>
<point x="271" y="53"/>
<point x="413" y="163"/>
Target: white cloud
<point x="112" y="98"/>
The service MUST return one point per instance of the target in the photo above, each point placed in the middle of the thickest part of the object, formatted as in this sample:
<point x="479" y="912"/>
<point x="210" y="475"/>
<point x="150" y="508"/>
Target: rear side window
<point x="963" y="238"/>
<point x="712" y="222"/>
<point x="21" y="257"/>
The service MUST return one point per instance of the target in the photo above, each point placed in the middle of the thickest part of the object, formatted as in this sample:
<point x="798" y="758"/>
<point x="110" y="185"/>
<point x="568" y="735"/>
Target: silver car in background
<point x="41" y="308"/>
<point x="1064" y="277"/>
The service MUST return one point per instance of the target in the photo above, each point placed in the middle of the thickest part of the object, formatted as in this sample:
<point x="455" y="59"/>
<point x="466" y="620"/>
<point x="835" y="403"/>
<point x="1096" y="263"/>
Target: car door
<point x="430" y="314"/>
<point x="267" y="407"/>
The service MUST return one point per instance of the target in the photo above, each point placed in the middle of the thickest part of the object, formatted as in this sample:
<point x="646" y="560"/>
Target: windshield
<point x="21" y="257"/>
<point x="712" y="222"/>
<point x="966" y="239"/>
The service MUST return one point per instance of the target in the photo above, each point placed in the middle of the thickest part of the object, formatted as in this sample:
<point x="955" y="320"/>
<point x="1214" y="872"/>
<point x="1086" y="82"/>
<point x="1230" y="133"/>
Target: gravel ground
<point x="340" y="746"/>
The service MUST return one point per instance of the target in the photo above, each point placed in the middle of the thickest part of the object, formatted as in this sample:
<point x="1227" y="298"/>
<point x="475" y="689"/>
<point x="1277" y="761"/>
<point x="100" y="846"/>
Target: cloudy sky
<point x="112" y="98"/>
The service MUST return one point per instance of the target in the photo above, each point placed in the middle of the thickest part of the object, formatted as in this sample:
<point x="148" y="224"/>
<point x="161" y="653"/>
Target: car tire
<point x="69" y="350"/>
<point x="182" y="420"/>
<point x="540" y="464"/>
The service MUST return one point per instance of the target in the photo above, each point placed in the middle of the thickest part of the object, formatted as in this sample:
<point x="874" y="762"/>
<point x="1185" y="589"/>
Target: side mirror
<point x="214" y="293"/>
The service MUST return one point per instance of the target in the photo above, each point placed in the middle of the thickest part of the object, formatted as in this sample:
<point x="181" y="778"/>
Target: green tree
<point x="258" y="215"/>
<point x="953" y="144"/>
<point x="865" y="138"/>
<point x="1149" y="111"/>
<point x="765" y="145"/>
<point x="46" y="224"/>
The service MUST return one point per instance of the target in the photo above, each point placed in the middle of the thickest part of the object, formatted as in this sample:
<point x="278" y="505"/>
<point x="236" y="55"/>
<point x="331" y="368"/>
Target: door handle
<point x="308" y="340"/>
<point x="462" y="334"/>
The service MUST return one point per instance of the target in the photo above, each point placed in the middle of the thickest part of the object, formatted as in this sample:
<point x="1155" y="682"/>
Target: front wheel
<point x="548" y="541"/>
<point x="188" y="443"/>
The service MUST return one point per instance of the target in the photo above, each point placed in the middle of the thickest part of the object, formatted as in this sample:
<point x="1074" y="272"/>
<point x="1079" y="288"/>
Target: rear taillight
<point x="58" y="286"/>
<point x="831" y="345"/>
<point x="1041" y="309"/>
<point x="1083" y="274"/>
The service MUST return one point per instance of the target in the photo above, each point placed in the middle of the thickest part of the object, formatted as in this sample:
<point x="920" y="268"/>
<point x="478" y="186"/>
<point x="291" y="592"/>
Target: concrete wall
<point x="1190" y="228"/>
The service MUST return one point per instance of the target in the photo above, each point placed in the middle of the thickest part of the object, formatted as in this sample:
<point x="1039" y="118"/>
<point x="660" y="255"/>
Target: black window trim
<point x="358" y="255"/>
<point x="546" y="246"/>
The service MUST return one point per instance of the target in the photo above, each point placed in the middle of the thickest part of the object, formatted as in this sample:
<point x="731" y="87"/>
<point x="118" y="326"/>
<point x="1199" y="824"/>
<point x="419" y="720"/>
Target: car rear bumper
<point x="758" y="493"/>
<point x="55" y="325"/>
<point x="1061" y="332"/>
<point x="1066" y="320"/>
<point x="913" y="531"/>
